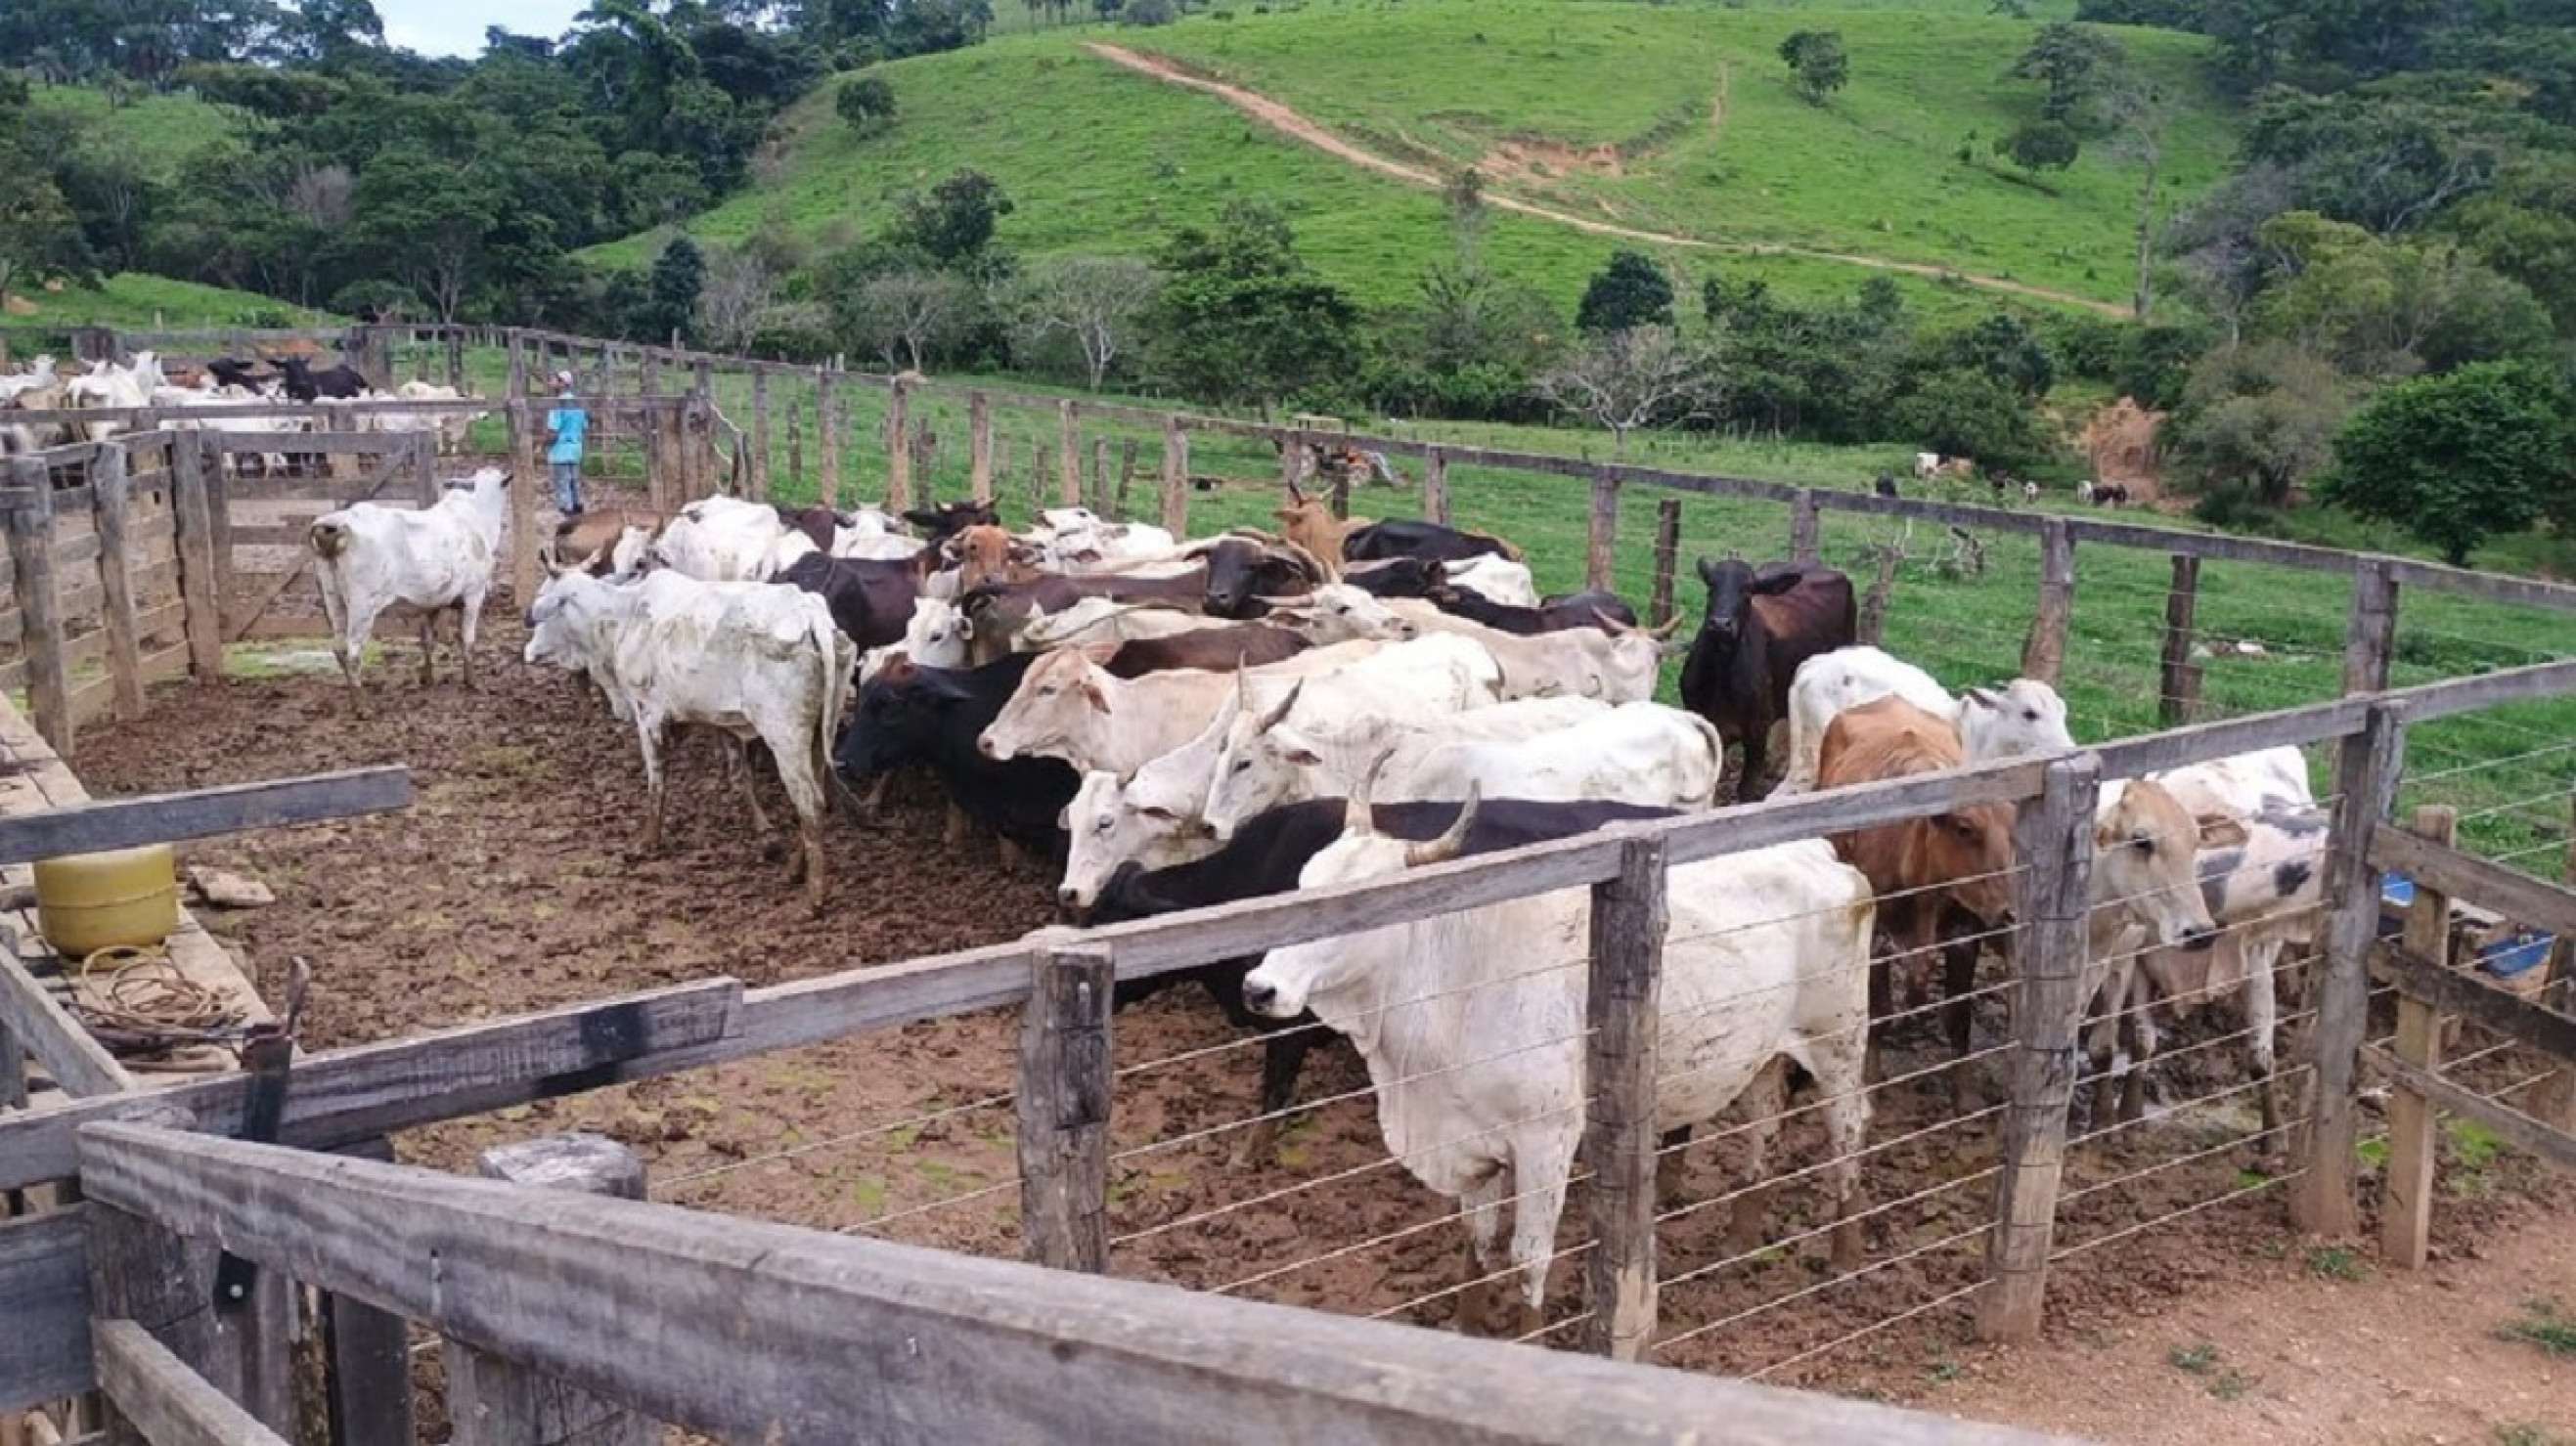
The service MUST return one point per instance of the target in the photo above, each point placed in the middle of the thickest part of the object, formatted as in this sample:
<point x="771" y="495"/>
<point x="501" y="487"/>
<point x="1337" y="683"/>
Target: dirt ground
<point x="513" y="884"/>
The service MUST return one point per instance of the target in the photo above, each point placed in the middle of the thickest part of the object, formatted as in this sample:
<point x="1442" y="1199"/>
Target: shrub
<point x="865" y="104"/>
<point x="1149" y="12"/>
<point x="2459" y="457"/>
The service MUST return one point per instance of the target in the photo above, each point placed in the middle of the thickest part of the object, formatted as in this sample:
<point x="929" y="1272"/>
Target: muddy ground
<point x="514" y="884"/>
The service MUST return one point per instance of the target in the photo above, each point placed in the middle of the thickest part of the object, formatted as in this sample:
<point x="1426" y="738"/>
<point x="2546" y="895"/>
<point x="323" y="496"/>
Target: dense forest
<point x="2390" y="269"/>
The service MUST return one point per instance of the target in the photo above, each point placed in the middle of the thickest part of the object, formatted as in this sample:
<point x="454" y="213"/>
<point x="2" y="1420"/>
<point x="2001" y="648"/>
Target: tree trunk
<point x="2145" y="301"/>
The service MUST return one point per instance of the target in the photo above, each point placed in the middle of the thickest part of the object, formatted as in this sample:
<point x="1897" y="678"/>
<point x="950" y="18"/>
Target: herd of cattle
<point x="108" y="386"/>
<point x="1189" y="723"/>
<point x="1932" y="466"/>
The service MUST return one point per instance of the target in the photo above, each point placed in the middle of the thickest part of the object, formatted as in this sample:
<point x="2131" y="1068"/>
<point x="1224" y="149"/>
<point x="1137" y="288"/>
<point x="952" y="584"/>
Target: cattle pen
<point x="1984" y="1176"/>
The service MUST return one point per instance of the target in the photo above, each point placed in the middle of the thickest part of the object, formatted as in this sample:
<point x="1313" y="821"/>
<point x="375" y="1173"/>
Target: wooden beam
<point x="141" y="1269"/>
<point x="2518" y="896"/>
<point x="2406" y="1217"/>
<point x="44" y="1296"/>
<point x="168" y="1403"/>
<point x="200" y="588"/>
<point x="110" y="493"/>
<point x="2228" y="737"/>
<point x="1623" y="989"/>
<point x="2427" y="701"/>
<point x="118" y="823"/>
<point x="2043" y="654"/>
<point x="2519" y="1130"/>
<point x="63" y="1045"/>
<point x="31" y="560"/>
<point x="2368" y="767"/>
<point x="770" y="1333"/>
<point x="2457" y="991"/>
<point x="1063" y="1101"/>
<point x="369" y="1354"/>
<point x="2178" y="695"/>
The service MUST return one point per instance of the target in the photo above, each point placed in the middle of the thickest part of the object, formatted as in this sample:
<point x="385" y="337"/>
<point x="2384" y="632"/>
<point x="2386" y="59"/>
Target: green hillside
<point x="135" y="299"/>
<point x="164" y="129"/>
<point x="1664" y="119"/>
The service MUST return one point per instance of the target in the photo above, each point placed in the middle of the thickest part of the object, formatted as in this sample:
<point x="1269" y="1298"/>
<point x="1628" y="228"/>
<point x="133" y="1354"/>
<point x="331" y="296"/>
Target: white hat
<point x="563" y="379"/>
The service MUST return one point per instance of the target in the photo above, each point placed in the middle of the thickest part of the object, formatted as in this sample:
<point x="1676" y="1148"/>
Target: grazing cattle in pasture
<point x="747" y="659"/>
<point x="1478" y="1054"/>
<point x="2110" y="494"/>
<point x="1885" y="486"/>
<point x="2023" y="717"/>
<point x="910" y="714"/>
<point x="947" y="519"/>
<point x="2084" y="491"/>
<point x="1405" y="537"/>
<point x="1927" y="464"/>
<point x="1758" y="629"/>
<point x="1264" y="858"/>
<point x="302" y="383"/>
<point x="1220" y="650"/>
<point x="870" y="601"/>
<point x="2030" y="492"/>
<point x="369" y="558"/>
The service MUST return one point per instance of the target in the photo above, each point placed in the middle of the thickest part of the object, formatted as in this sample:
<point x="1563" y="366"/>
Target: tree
<point x="734" y="302"/>
<point x="904" y="316"/>
<point x="2042" y="145"/>
<point x="1818" y="65"/>
<point x="1971" y="414"/>
<point x="426" y="221"/>
<point x="1640" y="376"/>
<point x="2389" y="307"/>
<point x="1097" y="301"/>
<point x="2072" y="61"/>
<point x="2460" y="457"/>
<point x="1631" y="291"/>
<point x="955" y="221"/>
<point x="866" y="104"/>
<point x="671" y="292"/>
<point x="40" y="239"/>
<point x="2258" y="420"/>
<point x="1241" y="317"/>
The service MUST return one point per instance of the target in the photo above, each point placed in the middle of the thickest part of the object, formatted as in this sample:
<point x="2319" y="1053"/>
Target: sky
<point x="455" y="27"/>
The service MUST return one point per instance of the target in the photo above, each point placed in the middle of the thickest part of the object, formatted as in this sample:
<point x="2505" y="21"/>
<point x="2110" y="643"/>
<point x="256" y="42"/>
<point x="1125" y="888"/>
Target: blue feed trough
<point x="2509" y="957"/>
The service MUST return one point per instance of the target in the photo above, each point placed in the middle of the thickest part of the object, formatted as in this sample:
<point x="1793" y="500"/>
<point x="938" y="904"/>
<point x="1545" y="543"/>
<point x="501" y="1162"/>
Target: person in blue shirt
<point x="567" y="426"/>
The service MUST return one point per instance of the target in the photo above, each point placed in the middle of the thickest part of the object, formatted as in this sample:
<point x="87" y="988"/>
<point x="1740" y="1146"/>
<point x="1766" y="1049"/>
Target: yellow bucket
<point x="88" y="902"/>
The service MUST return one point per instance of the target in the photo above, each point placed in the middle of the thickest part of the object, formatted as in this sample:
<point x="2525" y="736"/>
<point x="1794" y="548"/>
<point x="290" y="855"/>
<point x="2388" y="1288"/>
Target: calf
<point x="369" y="558"/>
<point x="747" y="659"/>
<point x="304" y="384"/>
<point x="909" y="714"/>
<point x="1758" y="629"/>
<point x="2023" y="717"/>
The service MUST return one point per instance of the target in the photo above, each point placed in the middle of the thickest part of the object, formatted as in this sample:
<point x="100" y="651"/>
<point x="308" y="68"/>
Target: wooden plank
<point x="31" y="560"/>
<point x="2368" y="766"/>
<point x="2228" y="737"/>
<point x="80" y="1065"/>
<point x="2454" y="991"/>
<point x="2043" y="655"/>
<point x="771" y="1333"/>
<point x="331" y="444"/>
<point x="109" y="499"/>
<point x="1806" y="547"/>
<point x="44" y="1295"/>
<point x="141" y="1270"/>
<point x="1602" y="540"/>
<point x="2519" y="1130"/>
<point x="2406" y="1217"/>
<point x="168" y="1403"/>
<point x="199" y="589"/>
<point x="348" y="1095"/>
<point x="369" y="1357"/>
<point x="1068" y="456"/>
<point x="2370" y="635"/>
<point x="1065" y="1086"/>
<point x="2518" y="896"/>
<point x="2178" y="694"/>
<point x="1435" y="485"/>
<point x="2053" y="834"/>
<point x="1623" y="991"/>
<point x="1176" y="478"/>
<point x="202" y="812"/>
<point x="2427" y="701"/>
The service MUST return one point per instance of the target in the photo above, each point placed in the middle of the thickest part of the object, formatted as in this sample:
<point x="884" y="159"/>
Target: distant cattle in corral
<point x="304" y="384"/>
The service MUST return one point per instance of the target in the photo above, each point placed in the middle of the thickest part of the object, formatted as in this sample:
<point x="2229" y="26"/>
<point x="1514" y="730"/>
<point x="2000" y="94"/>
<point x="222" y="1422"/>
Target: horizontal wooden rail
<point x="77" y="1061"/>
<point x="774" y="1333"/>
<point x="2452" y="991"/>
<point x="2518" y="1129"/>
<point x="167" y="1403"/>
<point x="2156" y="752"/>
<point x="118" y="823"/>
<point x="2427" y="701"/>
<point x="2473" y="880"/>
<point x="44" y="1298"/>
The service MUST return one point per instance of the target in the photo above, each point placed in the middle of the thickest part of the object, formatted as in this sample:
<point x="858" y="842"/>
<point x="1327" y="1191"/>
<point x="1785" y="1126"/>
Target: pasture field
<point x="163" y="128"/>
<point x="141" y="300"/>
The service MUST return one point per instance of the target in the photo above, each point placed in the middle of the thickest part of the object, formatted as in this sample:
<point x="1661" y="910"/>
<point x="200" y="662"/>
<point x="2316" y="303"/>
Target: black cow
<point x="1759" y="627"/>
<point x="1265" y="856"/>
<point x="1403" y="577"/>
<point x="1215" y="650"/>
<point x="1240" y="574"/>
<point x="871" y="599"/>
<point x="947" y="519"/>
<point x="230" y="372"/>
<point x="305" y="384"/>
<point x="932" y="716"/>
<point x="1885" y="486"/>
<point x="1555" y="615"/>
<point x="817" y="523"/>
<point x="2110" y="494"/>
<point x="1408" y="538"/>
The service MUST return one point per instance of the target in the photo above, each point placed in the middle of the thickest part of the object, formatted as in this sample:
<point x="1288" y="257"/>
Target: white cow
<point x="1927" y="464"/>
<point x="452" y="428"/>
<point x="747" y="659"/>
<point x="107" y="385"/>
<point x="1337" y="612"/>
<point x="369" y="558"/>
<point x="1100" y="620"/>
<point x="1076" y="539"/>
<point x="2023" y="717"/>
<point x="935" y="637"/>
<point x="726" y="539"/>
<point x="1477" y="1050"/>
<point x="1499" y="579"/>
<point x="1642" y="753"/>
<point x="1615" y="666"/>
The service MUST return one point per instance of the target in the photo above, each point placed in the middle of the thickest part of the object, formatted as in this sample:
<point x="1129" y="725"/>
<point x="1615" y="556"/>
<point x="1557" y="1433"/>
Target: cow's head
<point x="1337" y="977"/>
<point x="1404" y="577"/>
<point x="948" y="519"/>
<point x="559" y="620"/>
<point x="898" y="713"/>
<point x="2146" y="848"/>
<point x="1064" y="695"/>
<point x="1260" y="760"/>
<point x="2023" y="717"/>
<point x="1242" y="575"/>
<point x="1968" y="852"/>
<point x="938" y="634"/>
<point x="1732" y="586"/>
<point x="1310" y="524"/>
<point x="1340" y="613"/>
<point x="1113" y="822"/>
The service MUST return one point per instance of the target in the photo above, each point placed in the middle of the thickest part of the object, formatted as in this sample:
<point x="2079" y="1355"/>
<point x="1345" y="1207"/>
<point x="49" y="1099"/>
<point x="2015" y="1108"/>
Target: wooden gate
<point x="267" y="569"/>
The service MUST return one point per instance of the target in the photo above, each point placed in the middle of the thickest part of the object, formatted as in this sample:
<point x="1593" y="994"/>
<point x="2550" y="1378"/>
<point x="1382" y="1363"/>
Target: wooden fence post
<point x="494" y="1402"/>
<point x="759" y="478"/>
<point x="424" y="469"/>
<point x="369" y="1353"/>
<point x="2043" y="656"/>
<point x="1176" y="477"/>
<point x="1068" y="478"/>
<point x="456" y="358"/>
<point x="2178" y="692"/>
<point x="1435" y="485"/>
<point x="1292" y="460"/>
<point x="2366" y="770"/>
<point x="648" y="373"/>
<point x="1605" y="530"/>
<point x="1806" y="530"/>
<point x="1668" y="546"/>
<point x="795" y="447"/>
<point x="2053" y="836"/>
<point x="110" y="490"/>
<point x="1620" y="1139"/>
<point x="31" y="557"/>
<point x="1126" y="477"/>
<point x="1064" y="1097"/>
<point x="1100" y="500"/>
<point x="2406" y="1214"/>
<point x="2370" y="636"/>
<point x="705" y="383"/>
<point x="201" y="601"/>
<point x="526" y="478"/>
<point x="827" y="438"/>
<point x="518" y="366"/>
<point x="2553" y="1102"/>
<point x="898" y="440"/>
<point x="979" y="446"/>
<point x="141" y="1272"/>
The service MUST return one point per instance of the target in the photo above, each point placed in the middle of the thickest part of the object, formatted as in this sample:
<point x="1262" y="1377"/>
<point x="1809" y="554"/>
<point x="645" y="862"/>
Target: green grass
<point x="2336" y="1262"/>
<point x="2546" y="1324"/>
<point x="139" y="300"/>
<point x="163" y="129"/>
<point x="1101" y="159"/>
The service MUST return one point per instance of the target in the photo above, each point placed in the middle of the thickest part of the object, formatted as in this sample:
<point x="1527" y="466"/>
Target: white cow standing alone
<point x="747" y="659"/>
<point x="368" y="558"/>
<point x="1477" y="1054"/>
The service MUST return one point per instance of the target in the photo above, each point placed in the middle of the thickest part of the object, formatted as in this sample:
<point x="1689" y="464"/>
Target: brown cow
<point x="988" y="554"/>
<point x="1945" y="875"/>
<point x="1310" y="523"/>
<point x="588" y="539"/>
<point x="1214" y="650"/>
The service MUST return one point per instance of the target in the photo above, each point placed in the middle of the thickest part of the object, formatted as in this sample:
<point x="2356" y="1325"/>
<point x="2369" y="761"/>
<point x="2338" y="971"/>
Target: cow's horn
<point x="1665" y="633"/>
<point x="1357" y="815"/>
<point x="1316" y="567"/>
<point x="1610" y="624"/>
<point x="1279" y="715"/>
<point x="1444" y="848"/>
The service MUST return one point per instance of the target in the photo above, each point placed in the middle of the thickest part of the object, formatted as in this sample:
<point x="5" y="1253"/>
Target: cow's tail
<point x="330" y="539"/>
<point x="836" y="656"/>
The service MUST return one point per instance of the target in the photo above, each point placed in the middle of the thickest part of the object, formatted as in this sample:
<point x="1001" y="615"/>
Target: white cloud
<point x="455" y="27"/>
